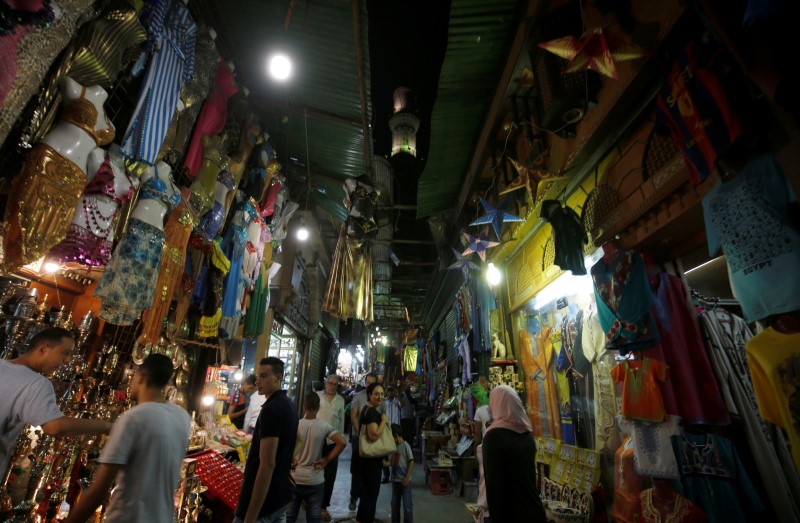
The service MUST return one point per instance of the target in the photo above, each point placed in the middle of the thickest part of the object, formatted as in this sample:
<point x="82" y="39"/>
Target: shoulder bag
<point x="379" y="448"/>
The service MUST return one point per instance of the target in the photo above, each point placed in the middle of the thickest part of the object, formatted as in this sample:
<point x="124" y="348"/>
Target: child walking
<point x="402" y="463"/>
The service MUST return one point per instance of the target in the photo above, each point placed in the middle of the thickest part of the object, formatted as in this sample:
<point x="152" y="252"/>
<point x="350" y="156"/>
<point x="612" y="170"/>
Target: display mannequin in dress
<point x="47" y="191"/>
<point x="91" y="234"/>
<point x="213" y="221"/>
<point x="128" y="283"/>
<point x="204" y="187"/>
<point x="153" y="210"/>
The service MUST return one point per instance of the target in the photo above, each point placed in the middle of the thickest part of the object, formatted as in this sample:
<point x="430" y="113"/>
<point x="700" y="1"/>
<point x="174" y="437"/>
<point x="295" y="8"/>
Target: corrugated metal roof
<point x="479" y="38"/>
<point x="321" y="43"/>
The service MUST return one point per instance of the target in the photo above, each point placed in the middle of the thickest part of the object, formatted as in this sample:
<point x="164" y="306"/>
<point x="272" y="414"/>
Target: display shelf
<point x="220" y="476"/>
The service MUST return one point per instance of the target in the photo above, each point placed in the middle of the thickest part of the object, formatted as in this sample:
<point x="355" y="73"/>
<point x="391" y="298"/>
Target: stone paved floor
<point x="428" y="508"/>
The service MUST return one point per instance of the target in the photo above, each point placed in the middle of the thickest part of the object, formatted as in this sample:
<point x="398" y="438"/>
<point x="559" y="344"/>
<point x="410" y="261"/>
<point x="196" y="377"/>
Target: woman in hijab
<point x="509" y="461"/>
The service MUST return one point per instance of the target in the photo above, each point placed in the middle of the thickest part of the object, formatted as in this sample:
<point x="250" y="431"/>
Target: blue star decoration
<point x="496" y="216"/>
<point x="478" y="245"/>
<point x="463" y="264"/>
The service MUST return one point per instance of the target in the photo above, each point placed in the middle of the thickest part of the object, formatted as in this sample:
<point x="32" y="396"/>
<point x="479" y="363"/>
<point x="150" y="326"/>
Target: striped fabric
<point x="172" y="33"/>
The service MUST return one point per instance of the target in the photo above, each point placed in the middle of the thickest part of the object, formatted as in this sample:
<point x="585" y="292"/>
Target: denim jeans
<point x="312" y="495"/>
<point x="398" y="492"/>
<point x="279" y="516"/>
<point x="330" y="475"/>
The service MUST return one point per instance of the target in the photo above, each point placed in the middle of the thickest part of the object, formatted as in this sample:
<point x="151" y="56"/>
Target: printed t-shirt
<point x="311" y="436"/>
<point x="774" y="361"/>
<point x="150" y="441"/>
<point x="641" y="396"/>
<point x="28" y="399"/>
<point x="652" y="450"/>
<point x="749" y="219"/>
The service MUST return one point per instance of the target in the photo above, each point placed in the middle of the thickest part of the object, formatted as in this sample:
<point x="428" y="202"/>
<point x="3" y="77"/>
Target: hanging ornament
<point x="596" y="50"/>
<point x="496" y="216"/>
<point x="531" y="179"/>
<point x="463" y="264"/>
<point x="477" y="244"/>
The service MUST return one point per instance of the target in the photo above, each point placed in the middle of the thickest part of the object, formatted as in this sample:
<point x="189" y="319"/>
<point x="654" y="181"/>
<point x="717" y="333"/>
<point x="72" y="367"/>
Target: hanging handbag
<point x="379" y="448"/>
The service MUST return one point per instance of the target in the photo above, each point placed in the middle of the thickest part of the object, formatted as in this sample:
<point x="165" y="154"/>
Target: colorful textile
<point x="172" y="35"/>
<point x="627" y="484"/>
<point x="624" y="297"/>
<point x="726" y="336"/>
<point x="691" y="392"/>
<point x="128" y="282"/>
<point x="212" y="117"/>
<point x="641" y="395"/>
<point x="774" y="360"/>
<point x="684" y="511"/>
<point x="694" y="106"/>
<point x="653" y="454"/>
<point x="749" y="219"/>
<point x="714" y="478"/>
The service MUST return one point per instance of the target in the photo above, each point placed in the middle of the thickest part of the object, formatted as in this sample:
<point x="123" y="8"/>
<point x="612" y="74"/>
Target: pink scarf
<point x="507" y="410"/>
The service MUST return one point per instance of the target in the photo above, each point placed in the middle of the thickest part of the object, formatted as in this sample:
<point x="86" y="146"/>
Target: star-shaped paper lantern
<point x="477" y="244"/>
<point x="463" y="264"/>
<point x="496" y="216"/>
<point x="596" y="50"/>
<point x="531" y="179"/>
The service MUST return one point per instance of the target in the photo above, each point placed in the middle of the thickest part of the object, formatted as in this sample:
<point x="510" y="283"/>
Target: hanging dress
<point x="176" y="231"/>
<point x="172" y="35"/>
<point x="234" y="245"/>
<point x="212" y="117"/>
<point x="128" y="283"/>
<point x="90" y="237"/>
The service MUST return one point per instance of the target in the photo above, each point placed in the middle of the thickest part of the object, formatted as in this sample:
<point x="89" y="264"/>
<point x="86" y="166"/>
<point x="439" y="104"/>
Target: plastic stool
<point x="440" y="482"/>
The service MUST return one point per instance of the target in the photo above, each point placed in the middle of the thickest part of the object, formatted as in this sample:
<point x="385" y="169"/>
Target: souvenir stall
<point x="144" y="206"/>
<point x="642" y="391"/>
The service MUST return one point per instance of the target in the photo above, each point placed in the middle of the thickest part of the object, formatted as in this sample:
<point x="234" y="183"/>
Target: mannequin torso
<point x="80" y="129"/>
<point x="158" y="196"/>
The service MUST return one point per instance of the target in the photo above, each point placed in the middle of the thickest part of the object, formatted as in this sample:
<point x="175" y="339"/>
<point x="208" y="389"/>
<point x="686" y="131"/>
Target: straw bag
<point x="379" y="448"/>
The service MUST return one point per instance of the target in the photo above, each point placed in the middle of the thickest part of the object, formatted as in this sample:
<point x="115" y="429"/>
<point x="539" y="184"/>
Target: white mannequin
<point x="69" y="140"/>
<point x="122" y="184"/>
<point x="149" y="210"/>
<point x="250" y="260"/>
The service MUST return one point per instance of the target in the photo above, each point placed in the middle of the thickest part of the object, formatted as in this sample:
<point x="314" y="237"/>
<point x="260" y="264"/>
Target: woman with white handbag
<point x="375" y="441"/>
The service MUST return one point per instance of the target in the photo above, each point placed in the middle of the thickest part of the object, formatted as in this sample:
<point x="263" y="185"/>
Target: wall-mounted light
<point x="493" y="275"/>
<point x="280" y="67"/>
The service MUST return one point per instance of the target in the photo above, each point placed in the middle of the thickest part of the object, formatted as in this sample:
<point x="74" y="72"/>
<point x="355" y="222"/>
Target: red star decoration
<point x="530" y="178"/>
<point x="596" y="50"/>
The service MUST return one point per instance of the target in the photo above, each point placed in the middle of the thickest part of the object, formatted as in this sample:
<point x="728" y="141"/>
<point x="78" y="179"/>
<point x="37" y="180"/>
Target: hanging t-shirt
<point x="624" y="297"/>
<point x="714" y="478"/>
<point x="748" y="218"/>
<point x="774" y="360"/>
<point x="569" y="236"/>
<point x="641" y="395"/>
<point x="693" y="105"/>
<point x="652" y="451"/>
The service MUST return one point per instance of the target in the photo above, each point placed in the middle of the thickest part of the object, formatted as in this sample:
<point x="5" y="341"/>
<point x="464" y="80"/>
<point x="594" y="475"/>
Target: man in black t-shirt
<point x="266" y="490"/>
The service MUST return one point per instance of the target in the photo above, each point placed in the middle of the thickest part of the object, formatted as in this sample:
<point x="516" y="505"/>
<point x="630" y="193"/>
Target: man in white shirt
<point x="310" y="460"/>
<point x="256" y="402"/>
<point x="331" y="411"/>
<point x="28" y="397"/>
<point x="143" y="454"/>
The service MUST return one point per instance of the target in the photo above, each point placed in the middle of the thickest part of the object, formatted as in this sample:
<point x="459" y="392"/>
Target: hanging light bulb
<point x="302" y="232"/>
<point x="208" y="400"/>
<point x="280" y="67"/>
<point x="51" y="267"/>
<point x="237" y="376"/>
<point x="493" y="275"/>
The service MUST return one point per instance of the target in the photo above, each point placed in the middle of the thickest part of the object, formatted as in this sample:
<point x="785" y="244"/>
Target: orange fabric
<point x="627" y="484"/>
<point x="544" y="362"/>
<point x="531" y="384"/>
<point x="641" y="395"/>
